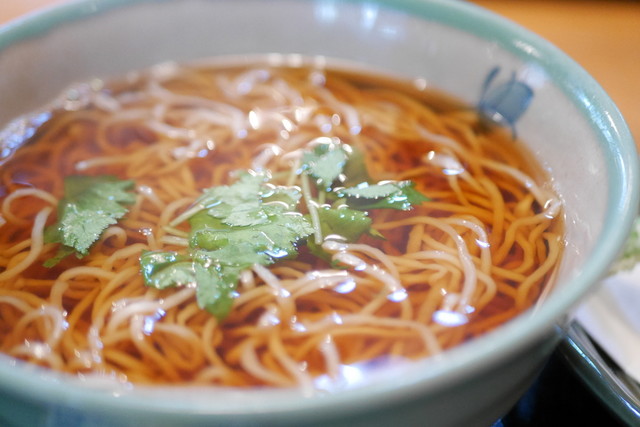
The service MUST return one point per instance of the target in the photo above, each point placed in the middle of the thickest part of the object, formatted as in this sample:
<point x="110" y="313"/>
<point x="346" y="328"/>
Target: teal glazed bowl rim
<point x="588" y="97"/>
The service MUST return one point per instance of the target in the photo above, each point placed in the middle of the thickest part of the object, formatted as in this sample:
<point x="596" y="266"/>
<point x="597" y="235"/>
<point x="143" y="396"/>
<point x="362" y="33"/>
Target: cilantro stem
<point x="176" y="232"/>
<point x="175" y="241"/>
<point x="322" y="197"/>
<point x="293" y="175"/>
<point x="312" y="208"/>
<point x="186" y="214"/>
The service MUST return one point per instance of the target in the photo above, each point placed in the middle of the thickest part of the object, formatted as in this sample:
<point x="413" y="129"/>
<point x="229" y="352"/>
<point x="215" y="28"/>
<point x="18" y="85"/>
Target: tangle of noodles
<point x="481" y="250"/>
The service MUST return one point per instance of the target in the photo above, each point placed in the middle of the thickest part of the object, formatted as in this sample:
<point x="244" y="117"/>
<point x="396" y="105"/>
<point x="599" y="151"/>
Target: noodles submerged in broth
<point x="479" y="247"/>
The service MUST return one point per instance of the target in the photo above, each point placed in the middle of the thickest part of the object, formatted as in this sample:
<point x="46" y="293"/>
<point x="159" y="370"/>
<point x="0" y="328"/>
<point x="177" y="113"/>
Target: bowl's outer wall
<point x="476" y="402"/>
<point x="452" y="46"/>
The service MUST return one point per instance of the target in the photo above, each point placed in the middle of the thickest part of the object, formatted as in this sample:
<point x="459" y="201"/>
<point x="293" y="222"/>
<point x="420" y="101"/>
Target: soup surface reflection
<point x="257" y="225"/>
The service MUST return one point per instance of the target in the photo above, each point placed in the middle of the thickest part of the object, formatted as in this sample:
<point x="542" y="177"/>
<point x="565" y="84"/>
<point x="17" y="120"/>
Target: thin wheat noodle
<point x="481" y="250"/>
<point x="36" y="246"/>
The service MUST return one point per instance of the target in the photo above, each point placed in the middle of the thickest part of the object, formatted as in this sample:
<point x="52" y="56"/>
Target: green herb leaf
<point x="90" y="205"/>
<point x="394" y="195"/>
<point x="253" y="222"/>
<point x="62" y="253"/>
<point x="215" y="289"/>
<point x="347" y="223"/>
<point x="355" y="170"/>
<point x="289" y="196"/>
<point x="214" y="281"/>
<point x="249" y="222"/>
<point x="275" y="238"/>
<point x="241" y="254"/>
<point x="325" y="163"/>
<point x="167" y="269"/>
<point x="239" y="204"/>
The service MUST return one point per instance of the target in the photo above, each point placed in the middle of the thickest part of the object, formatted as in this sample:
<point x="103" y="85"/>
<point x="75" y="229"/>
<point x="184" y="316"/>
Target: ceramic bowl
<point x="562" y="114"/>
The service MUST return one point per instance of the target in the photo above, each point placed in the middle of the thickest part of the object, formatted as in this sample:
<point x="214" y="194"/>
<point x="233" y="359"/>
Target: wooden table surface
<point x="601" y="35"/>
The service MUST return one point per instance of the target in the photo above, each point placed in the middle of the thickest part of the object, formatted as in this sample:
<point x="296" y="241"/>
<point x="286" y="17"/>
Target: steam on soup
<point x="245" y="225"/>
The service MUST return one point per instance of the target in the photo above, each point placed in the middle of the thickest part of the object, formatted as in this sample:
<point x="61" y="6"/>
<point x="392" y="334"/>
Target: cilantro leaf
<point x="241" y="254"/>
<point x="105" y="187"/>
<point x="325" y="163"/>
<point x="275" y="237"/>
<point x="400" y="195"/>
<point x="214" y="282"/>
<point x="289" y="196"/>
<point x="238" y="204"/>
<point x="215" y="289"/>
<point x="62" y="253"/>
<point x="81" y="227"/>
<point x="246" y="202"/>
<point x="348" y="223"/>
<point x="166" y="269"/>
<point x="249" y="222"/>
<point x="355" y="170"/>
<point x="254" y="222"/>
<point x="90" y="205"/>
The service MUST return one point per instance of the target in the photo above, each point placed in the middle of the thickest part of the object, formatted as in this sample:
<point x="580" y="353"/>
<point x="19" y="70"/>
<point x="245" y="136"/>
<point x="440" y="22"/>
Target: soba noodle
<point x="480" y="251"/>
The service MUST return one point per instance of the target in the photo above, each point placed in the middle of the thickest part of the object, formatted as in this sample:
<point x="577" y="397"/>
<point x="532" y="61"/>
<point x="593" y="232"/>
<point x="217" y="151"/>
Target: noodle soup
<point x="250" y="225"/>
